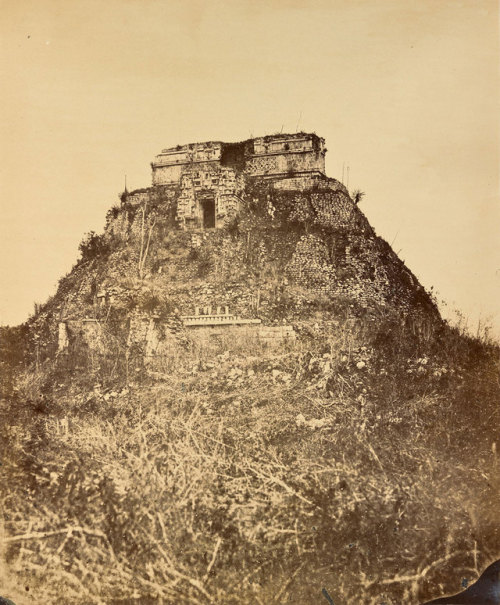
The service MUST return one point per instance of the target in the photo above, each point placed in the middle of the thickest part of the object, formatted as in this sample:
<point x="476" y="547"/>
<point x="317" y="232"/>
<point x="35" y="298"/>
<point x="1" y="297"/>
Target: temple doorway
<point x="208" y="207"/>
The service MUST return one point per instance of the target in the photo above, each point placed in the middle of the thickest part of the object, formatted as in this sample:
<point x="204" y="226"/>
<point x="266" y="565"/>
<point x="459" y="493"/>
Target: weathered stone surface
<point x="267" y="157"/>
<point x="63" y="340"/>
<point x="287" y="245"/>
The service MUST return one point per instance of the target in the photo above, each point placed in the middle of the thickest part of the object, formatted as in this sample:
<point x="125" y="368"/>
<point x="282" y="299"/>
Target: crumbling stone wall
<point x="269" y="336"/>
<point x="87" y="331"/>
<point x="170" y="164"/>
<point x="367" y="272"/>
<point x="153" y="334"/>
<point x="271" y="155"/>
<point x="325" y="209"/>
<point x="144" y="333"/>
<point x="297" y="182"/>
<point x="310" y="265"/>
<point x="62" y="336"/>
<point x="124" y="223"/>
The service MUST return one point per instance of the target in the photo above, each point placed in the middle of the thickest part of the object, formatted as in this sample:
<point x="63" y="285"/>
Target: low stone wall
<point x="268" y="335"/>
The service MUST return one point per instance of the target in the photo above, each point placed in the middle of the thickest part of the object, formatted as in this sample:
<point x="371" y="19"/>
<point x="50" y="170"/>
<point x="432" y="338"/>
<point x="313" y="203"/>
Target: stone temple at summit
<point x="211" y="175"/>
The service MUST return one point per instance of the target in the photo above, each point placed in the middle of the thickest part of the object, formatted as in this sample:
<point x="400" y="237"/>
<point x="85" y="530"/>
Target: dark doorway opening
<point x="208" y="207"/>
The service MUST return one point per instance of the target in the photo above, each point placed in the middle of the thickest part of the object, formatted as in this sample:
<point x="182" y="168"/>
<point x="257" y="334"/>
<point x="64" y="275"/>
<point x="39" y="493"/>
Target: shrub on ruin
<point x="113" y="212"/>
<point x="233" y="226"/>
<point x="205" y="265"/>
<point x="93" y="246"/>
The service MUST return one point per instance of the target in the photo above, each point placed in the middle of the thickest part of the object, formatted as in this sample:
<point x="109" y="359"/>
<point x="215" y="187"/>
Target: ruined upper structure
<point x="212" y="175"/>
<point x="273" y="156"/>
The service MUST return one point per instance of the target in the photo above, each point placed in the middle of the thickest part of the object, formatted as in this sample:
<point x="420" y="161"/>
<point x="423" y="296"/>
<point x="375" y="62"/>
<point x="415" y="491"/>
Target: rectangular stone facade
<point x="210" y="195"/>
<point x="286" y="155"/>
<point x="169" y="165"/>
<point x="269" y="156"/>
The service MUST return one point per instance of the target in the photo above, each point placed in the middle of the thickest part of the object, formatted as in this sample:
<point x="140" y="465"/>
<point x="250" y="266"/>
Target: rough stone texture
<point x="270" y="336"/>
<point x="325" y="209"/>
<point x="156" y="336"/>
<point x="169" y="165"/>
<point x="281" y="154"/>
<point x="298" y="181"/>
<point x="276" y="335"/>
<point x="63" y="339"/>
<point x="144" y="331"/>
<point x="87" y="331"/>
<point x="215" y="185"/>
<point x="152" y="334"/>
<point x="297" y="244"/>
<point x="310" y="265"/>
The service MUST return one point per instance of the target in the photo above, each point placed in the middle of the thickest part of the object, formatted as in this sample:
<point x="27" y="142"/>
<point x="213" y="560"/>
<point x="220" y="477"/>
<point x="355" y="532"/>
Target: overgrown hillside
<point x="286" y="256"/>
<point x="359" y="457"/>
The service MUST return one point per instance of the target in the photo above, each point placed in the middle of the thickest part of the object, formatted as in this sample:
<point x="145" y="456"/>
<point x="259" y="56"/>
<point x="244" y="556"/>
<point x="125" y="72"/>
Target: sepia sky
<point x="405" y="92"/>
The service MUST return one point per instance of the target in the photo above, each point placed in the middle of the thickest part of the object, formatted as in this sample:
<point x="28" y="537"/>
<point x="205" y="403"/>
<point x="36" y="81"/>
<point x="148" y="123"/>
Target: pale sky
<point x="405" y="92"/>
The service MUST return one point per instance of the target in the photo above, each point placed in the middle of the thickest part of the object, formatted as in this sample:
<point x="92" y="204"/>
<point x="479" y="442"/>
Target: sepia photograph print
<point x="249" y="311"/>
